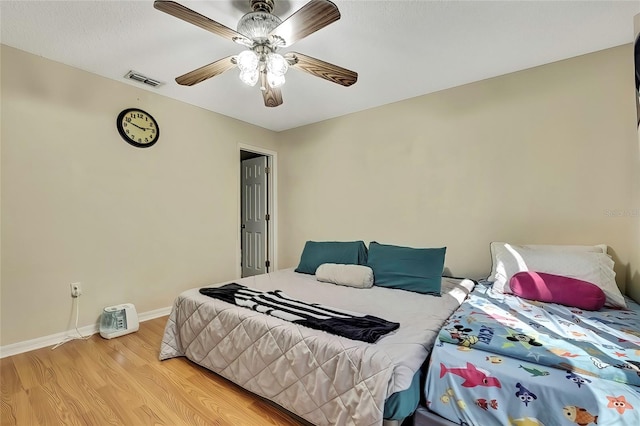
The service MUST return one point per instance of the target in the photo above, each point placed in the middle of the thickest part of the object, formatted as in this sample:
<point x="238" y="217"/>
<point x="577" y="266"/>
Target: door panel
<point x="254" y="211"/>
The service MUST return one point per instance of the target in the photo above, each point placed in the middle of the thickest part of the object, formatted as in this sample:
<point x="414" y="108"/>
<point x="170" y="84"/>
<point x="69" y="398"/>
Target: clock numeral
<point x="139" y="140"/>
<point x="128" y="119"/>
<point x="127" y="131"/>
<point x="146" y="139"/>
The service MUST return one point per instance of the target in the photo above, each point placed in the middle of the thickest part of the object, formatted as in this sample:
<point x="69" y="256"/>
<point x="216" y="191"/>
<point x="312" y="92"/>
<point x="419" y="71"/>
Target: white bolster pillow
<point x="359" y="276"/>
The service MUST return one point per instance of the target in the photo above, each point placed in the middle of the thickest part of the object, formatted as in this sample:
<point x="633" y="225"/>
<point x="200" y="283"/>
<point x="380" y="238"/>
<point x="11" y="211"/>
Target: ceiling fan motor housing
<point x="262" y="5"/>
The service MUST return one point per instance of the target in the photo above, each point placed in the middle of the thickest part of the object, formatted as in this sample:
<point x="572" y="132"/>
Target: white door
<point x="254" y="213"/>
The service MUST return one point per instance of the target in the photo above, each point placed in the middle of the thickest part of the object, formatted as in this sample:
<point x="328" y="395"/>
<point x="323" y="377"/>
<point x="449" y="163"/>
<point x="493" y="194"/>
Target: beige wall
<point x="545" y="155"/>
<point x="80" y="204"/>
<point x="538" y="156"/>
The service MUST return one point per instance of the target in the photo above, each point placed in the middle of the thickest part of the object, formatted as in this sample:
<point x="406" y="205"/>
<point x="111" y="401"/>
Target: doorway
<point x="257" y="212"/>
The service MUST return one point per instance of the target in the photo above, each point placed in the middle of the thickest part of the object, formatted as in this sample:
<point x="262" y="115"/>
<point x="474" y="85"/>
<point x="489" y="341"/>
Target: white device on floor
<point x="118" y="320"/>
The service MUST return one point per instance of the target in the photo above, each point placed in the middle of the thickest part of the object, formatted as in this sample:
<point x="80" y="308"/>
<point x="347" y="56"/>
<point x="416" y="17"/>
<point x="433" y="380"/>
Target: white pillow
<point x="498" y="248"/>
<point x="359" y="276"/>
<point x="587" y="263"/>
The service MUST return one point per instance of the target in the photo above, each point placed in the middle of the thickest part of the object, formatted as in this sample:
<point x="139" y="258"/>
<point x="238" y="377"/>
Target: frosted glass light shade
<point x="275" y="80"/>
<point x="249" y="77"/>
<point x="248" y="61"/>
<point x="277" y="65"/>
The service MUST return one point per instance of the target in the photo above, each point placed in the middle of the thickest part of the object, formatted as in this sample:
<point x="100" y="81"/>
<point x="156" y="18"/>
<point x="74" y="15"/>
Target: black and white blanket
<point x="352" y="325"/>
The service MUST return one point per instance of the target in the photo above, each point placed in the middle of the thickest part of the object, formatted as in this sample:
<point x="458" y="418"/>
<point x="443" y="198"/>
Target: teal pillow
<point x="407" y="268"/>
<point x="316" y="253"/>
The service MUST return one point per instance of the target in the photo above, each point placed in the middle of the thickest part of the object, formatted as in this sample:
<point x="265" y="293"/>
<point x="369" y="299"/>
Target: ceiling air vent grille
<point x="133" y="75"/>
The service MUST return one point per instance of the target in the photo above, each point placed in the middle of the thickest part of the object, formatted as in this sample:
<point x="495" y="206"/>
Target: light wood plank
<point x="17" y="410"/>
<point x="49" y="407"/>
<point x="84" y="366"/>
<point x="122" y="382"/>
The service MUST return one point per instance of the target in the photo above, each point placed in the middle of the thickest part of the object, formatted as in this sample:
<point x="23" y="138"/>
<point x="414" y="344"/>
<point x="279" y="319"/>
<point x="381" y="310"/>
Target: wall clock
<point x="138" y="127"/>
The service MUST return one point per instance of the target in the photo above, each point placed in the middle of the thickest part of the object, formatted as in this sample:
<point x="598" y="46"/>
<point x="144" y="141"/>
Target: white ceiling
<point x="401" y="49"/>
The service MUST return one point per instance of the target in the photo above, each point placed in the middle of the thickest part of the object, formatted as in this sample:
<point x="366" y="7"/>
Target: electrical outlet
<point x="76" y="290"/>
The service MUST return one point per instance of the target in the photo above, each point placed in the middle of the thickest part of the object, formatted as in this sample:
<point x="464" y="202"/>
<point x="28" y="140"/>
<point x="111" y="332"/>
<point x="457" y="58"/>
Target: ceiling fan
<point x="264" y="34"/>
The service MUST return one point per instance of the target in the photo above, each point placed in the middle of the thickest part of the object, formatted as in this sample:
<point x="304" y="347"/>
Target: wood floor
<point x="121" y="382"/>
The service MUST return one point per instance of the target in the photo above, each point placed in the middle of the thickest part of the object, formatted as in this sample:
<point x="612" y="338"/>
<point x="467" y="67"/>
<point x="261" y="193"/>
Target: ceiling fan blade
<point x="322" y="69"/>
<point x="207" y="71"/>
<point x="193" y="17"/>
<point x="272" y="97"/>
<point x="310" y="18"/>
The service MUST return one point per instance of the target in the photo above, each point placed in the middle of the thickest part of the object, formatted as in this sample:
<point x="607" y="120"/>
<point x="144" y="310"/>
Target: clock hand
<point x="144" y="129"/>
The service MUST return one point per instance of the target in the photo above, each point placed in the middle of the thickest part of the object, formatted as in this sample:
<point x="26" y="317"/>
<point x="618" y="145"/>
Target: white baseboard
<point x="53" y="339"/>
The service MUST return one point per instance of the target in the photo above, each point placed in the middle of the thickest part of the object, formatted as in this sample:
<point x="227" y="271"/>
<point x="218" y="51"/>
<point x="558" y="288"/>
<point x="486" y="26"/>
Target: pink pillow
<point x="557" y="289"/>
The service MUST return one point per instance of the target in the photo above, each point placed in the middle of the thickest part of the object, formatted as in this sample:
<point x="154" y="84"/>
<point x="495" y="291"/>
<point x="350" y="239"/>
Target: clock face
<point x="137" y="127"/>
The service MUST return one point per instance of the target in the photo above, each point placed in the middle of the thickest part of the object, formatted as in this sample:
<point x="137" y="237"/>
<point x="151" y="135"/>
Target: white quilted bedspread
<point x="325" y="379"/>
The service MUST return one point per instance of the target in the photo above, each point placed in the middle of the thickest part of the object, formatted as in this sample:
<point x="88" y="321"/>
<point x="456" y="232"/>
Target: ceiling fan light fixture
<point x="277" y="67"/>
<point x="275" y="80"/>
<point x="249" y="77"/>
<point x="258" y="25"/>
<point x="277" y="64"/>
<point x="248" y="60"/>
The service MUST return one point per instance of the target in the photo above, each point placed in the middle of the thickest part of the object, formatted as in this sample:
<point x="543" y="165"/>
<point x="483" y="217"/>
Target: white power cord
<point x="80" y="336"/>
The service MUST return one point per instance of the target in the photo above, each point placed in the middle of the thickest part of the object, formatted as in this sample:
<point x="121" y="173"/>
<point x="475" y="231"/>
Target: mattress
<point x="424" y="417"/>
<point x="325" y="379"/>
<point x="510" y="361"/>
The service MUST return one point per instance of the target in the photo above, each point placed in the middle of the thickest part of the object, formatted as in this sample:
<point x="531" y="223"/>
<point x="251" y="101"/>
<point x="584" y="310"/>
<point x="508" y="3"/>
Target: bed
<point x="503" y="359"/>
<point x="323" y="378"/>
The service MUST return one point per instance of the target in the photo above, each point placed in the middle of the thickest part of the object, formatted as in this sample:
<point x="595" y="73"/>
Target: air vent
<point x="133" y="75"/>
